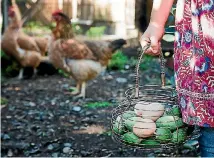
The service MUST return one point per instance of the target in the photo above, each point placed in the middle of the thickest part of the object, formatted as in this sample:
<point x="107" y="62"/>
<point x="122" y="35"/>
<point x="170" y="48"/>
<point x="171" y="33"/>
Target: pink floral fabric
<point x="194" y="61"/>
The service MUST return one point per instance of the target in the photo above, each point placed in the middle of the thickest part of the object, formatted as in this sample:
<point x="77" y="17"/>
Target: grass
<point x="3" y="101"/>
<point x="98" y="104"/>
<point x="107" y="133"/>
<point x="63" y="73"/>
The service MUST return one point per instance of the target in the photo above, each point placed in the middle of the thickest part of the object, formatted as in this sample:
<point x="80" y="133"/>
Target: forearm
<point x="160" y="11"/>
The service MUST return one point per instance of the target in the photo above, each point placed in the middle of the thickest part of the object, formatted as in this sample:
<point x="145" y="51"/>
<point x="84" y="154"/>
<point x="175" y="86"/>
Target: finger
<point x="154" y="45"/>
<point x="158" y="49"/>
<point x="149" y="51"/>
<point x="144" y="41"/>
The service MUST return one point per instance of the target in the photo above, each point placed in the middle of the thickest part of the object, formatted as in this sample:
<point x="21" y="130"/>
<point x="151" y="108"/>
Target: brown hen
<point x="27" y="42"/>
<point x="83" y="60"/>
<point x="10" y="45"/>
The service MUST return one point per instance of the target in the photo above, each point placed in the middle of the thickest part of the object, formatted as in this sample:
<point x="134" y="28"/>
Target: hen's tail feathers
<point x="117" y="44"/>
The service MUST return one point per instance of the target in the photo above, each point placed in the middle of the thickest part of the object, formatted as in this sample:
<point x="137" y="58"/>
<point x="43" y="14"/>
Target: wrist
<point x="156" y="24"/>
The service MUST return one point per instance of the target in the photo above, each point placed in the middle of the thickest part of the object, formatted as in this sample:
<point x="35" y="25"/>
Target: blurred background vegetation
<point x="95" y="24"/>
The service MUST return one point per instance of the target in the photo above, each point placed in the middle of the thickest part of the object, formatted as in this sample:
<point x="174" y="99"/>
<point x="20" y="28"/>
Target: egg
<point x="148" y="110"/>
<point x="144" y="128"/>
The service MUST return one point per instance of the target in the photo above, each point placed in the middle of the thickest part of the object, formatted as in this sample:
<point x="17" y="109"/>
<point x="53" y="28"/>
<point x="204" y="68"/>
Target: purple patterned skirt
<point x="194" y="61"/>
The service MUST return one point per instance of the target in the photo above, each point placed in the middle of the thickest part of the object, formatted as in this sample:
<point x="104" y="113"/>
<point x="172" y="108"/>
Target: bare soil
<point x="41" y="117"/>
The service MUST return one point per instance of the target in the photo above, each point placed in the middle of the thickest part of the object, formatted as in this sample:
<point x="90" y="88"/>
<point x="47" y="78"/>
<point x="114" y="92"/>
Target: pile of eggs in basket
<point x="150" y="123"/>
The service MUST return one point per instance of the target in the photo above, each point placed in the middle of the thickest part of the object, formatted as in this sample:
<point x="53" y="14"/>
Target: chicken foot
<point x="76" y="90"/>
<point x="79" y="91"/>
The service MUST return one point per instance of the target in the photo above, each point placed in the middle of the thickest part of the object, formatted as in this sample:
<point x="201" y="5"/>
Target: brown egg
<point x="148" y="110"/>
<point x="144" y="128"/>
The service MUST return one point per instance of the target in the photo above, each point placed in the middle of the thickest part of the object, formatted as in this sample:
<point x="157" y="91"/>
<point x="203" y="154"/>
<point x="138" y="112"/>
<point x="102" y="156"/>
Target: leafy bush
<point x="9" y="66"/>
<point x="118" y="61"/>
<point x="77" y="29"/>
<point x="36" y="27"/>
<point x="147" y="62"/>
<point x="96" y="31"/>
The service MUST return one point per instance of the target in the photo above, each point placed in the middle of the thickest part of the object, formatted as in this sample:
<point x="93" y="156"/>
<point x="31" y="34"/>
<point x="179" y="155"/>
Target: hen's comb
<point x="62" y="15"/>
<point x="11" y="8"/>
<point x="56" y="12"/>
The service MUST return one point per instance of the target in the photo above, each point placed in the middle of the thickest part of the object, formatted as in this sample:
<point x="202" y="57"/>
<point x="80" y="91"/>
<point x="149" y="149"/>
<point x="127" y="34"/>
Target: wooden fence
<point x="118" y="15"/>
<point x="103" y="10"/>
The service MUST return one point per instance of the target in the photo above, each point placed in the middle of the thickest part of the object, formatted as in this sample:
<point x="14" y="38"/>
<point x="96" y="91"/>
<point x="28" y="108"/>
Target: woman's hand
<point x="155" y="30"/>
<point x="152" y="36"/>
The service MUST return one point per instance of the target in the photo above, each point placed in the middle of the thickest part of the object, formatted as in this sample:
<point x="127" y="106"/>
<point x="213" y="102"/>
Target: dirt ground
<point x="41" y="118"/>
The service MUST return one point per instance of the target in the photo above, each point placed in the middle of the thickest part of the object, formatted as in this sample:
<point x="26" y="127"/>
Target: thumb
<point x="154" y="44"/>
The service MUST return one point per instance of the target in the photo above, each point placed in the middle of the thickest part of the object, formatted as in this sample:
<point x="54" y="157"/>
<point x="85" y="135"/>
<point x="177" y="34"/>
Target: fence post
<point x="5" y="13"/>
<point x="74" y="9"/>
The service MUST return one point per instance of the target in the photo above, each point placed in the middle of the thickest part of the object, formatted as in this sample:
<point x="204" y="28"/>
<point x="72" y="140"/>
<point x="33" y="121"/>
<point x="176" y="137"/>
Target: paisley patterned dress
<point x="194" y="61"/>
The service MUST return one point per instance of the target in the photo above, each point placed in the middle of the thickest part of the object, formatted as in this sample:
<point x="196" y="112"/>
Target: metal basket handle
<point x="162" y="62"/>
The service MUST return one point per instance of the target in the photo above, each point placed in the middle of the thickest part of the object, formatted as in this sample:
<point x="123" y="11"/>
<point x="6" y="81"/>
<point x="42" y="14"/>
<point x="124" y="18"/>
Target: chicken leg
<point x="82" y="92"/>
<point x="21" y="71"/>
<point x="34" y="72"/>
<point x="76" y="90"/>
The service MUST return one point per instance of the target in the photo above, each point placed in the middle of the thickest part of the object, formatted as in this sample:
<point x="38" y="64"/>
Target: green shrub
<point x="147" y="62"/>
<point x="77" y="29"/>
<point x="96" y="31"/>
<point x="118" y="61"/>
<point x="9" y="66"/>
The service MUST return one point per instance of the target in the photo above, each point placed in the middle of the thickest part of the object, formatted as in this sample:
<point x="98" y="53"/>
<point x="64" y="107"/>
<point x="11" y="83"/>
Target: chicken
<point x="39" y="44"/>
<point x="42" y="43"/>
<point x="63" y="27"/>
<point x="83" y="60"/>
<point x="27" y="42"/>
<point x="26" y="58"/>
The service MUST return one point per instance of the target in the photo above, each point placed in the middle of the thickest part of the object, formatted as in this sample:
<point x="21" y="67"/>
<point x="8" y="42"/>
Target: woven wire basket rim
<point x="124" y="106"/>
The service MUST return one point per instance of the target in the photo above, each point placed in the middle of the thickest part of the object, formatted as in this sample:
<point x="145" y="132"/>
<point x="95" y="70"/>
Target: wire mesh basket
<point x="149" y="117"/>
